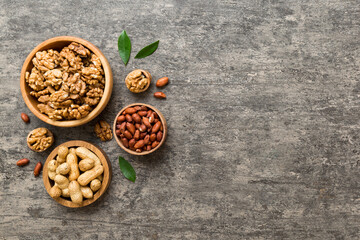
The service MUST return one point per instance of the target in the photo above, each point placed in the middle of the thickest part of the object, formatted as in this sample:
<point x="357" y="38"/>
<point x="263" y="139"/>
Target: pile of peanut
<point x="72" y="179"/>
<point x="139" y="128"/>
<point x="68" y="84"/>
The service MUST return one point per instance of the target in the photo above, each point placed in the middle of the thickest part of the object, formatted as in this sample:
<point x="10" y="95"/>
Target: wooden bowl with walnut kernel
<point x="77" y="173"/>
<point x="66" y="81"/>
<point x="140" y="129"/>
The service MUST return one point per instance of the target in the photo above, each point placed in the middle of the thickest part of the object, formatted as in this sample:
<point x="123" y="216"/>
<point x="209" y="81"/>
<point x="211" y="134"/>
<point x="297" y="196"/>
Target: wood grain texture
<point x="106" y="174"/>
<point x="58" y="43"/>
<point x="162" y="119"/>
<point x="262" y="111"/>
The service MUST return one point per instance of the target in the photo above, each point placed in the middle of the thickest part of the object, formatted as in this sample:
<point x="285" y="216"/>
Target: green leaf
<point x="148" y="50"/>
<point x="127" y="169"/>
<point x="124" y="47"/>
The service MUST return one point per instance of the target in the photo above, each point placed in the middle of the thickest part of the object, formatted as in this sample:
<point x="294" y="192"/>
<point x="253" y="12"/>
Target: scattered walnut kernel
<point x="40" y="139"/>
<point x="138" y="80"/>
<point x="103" y="130"/>
<point x="68" y="84"/>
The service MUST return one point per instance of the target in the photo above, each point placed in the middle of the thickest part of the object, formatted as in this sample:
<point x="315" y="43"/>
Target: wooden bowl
<point x="162" y="119"/>
<point x="106" y="175"/>
<point x="50" y="134"/>
<point x="58" y="43"/>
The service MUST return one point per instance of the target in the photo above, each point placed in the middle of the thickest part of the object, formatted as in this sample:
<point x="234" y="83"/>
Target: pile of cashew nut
<point x="72" y="179"/>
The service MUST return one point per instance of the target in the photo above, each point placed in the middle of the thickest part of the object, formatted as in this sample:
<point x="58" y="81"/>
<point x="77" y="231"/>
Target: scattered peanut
<point x="159" y="95"/>
<point x="37" y="169"/>
<point x="22" y="162"/>
<point x="162" y="82"/>
<point x="25" y="117"/>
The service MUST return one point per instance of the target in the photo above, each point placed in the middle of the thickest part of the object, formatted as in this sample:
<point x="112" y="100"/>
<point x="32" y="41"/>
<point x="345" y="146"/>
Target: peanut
<point x="86" y="164"/>
<point x="55" y="191"/>
<point x="89" y="175"/>
<point x="159" y="95"/>
<point x="162" y="82"/>
<point x="86" y="153"/>
<point x="86" y="192"/>
<point x="37" y="169"/>
<point x="156" y="127"/>
<point x="22" y="162"/>
<point x="63" y="168"/>
<point x="65" y="192"/>
<point x="95" y="185"/>
<point x="75" y="192"/>
<point x="25" y="117"/>
<point x="61" y="181"/>
<point x="72" y="161"/>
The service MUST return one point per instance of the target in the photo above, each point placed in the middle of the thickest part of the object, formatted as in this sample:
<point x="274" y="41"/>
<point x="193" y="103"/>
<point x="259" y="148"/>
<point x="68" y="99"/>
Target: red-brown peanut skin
<point x="142" y="128"/>
<point x="122" y="127"/>
<point x="130" y="110"/>
<point x="128" y="118"/>
<point x="132" y="143"/>
<point x="156" y="127"/>
<point x="121" y="118"/>
<point x="25" y="117"/>
<point x="146" y="122"/>
<point x="125" y="142"/>
<point x="142" y="113"/>
<point x="153" y="137"/>
<point x="154" y="144"/>
<point x="146" y="139"/>
<point x="159" y="136"/>
<point x="127" y="134"/>
<point x="137" y="135"/>
<point x="162" y="82"/>
<point x="136" y="118"/>
<point x="139" y="144"/>
<point x="130" y="127"/>
<point x="22" y="162"/>
<point x="160" y="95"/>
<point x="37" y="169"/>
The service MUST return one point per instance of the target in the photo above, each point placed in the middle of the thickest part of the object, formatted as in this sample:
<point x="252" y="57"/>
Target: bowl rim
<point x="108" y="82"/>
<point x="162" y="118"/>
<point x="106" y="179"/>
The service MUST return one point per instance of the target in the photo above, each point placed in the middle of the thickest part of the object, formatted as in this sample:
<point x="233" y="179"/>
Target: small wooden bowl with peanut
<point x="140" y="129"/>
<point x="77" y="173"/>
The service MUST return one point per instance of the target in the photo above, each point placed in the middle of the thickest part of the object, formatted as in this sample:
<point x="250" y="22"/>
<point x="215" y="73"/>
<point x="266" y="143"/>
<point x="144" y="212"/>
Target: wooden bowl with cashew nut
<point x="45" y="71"/>
<point x="77" y="173"/>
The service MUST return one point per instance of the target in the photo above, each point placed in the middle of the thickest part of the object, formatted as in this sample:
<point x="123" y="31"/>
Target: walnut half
<point x="138" y="80"/>
<point x="103" y="130"/>
<point x="40" y="139"/>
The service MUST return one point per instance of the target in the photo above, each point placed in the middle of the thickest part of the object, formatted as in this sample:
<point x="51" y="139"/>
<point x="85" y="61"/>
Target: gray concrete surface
<point x="263" y="113"/>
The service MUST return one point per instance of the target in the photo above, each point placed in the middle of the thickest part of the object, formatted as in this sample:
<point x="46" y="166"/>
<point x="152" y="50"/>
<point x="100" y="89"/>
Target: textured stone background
<point x="263" y="113"/>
